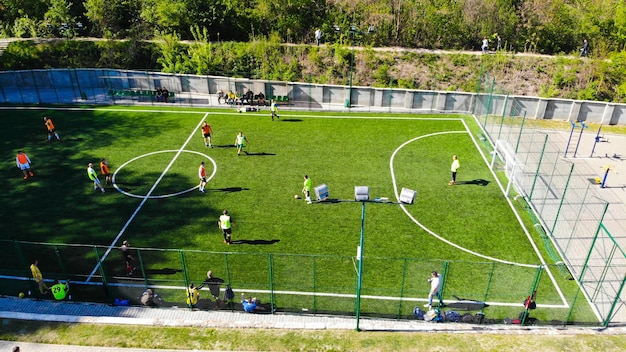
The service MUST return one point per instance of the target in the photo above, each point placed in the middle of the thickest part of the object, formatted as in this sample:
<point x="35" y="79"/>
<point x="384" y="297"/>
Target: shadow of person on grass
<point x="255" y="241"/>
<point x="477" y="182"/>
<point x="258" y="154"/>
<point x="229" y="189"/>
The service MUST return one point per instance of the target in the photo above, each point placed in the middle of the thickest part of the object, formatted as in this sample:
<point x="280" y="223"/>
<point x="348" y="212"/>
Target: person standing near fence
<point x="192" y="296"/>
<point x="435" y="281"/>
<point x="454" y="167"/>
<point x="51" y="130"/>
<point x="128" y="258"/>
<point x="24" y="164"/>
<point x="34" y="269"/>
<point x="225" y="223"/>
<point x="60" y="290"/>
<point x="214" y="285"/>
<point x="485" y="45"/>
<point x="93" y="176"/>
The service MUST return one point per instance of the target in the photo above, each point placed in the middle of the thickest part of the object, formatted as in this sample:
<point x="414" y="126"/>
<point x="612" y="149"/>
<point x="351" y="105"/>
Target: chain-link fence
<point x="562" y="194"/>
<point x="306" y="284"/>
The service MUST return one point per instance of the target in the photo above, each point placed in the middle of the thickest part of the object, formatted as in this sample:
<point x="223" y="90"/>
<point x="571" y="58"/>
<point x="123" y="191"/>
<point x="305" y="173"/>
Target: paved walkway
<point x="76" y="312"/>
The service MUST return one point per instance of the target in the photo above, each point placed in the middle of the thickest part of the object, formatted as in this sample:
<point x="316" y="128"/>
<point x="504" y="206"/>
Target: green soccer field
<point x="281" y="244"/>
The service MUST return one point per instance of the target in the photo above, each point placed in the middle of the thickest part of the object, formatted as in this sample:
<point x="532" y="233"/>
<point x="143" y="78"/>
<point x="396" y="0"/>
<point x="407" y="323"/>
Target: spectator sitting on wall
<point x="159" y="94"/>
<point x="166" y="95"/>
<point x="261" y="100"/>
<point x="231" y="97"/>
<point x="249" y="97"/>
<point x="220" y="96"/>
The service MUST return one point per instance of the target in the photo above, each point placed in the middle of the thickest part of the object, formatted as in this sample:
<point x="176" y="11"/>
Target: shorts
<point x="51" y="131"/>
<point x="203" y="179"/>
<point x="96" y="181"/>
<point x="227" y="231"/>
<point x="207" y="135"/>
<point x="25" y="166"/>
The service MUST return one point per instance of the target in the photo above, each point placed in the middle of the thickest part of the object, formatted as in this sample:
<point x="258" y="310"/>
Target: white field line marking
<point x="144" y="200"/>
<point x="519" y="219"/>
<point x="395" y="186"/>
<point x="143" y="286"/>
<point x="163" y="195"/>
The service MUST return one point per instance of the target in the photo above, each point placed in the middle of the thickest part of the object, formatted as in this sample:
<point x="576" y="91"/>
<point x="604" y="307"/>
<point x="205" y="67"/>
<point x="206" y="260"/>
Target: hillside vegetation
<point x="517" y="74"/>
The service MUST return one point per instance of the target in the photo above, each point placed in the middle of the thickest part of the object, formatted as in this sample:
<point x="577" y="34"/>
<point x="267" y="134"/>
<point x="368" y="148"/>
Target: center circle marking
<point x="164" y="195"/>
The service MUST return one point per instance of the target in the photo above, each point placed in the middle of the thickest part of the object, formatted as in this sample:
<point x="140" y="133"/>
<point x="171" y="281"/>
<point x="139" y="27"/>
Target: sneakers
<point x="102" y="190"/>
<point x="25" y="177"/>
<point x="451" y="183"/>
<point x="206" y="144"/>
<point x="210" y="145"/>
<point x="31" y="174"/>
<point x="427" y="306"/>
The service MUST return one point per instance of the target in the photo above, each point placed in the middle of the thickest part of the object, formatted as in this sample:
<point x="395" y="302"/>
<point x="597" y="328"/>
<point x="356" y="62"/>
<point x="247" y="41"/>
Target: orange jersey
<point x="22" y="158"/>
<point x="49" y="124"/>
<point x="206" y="129"/>
<point x="104" y="168"/>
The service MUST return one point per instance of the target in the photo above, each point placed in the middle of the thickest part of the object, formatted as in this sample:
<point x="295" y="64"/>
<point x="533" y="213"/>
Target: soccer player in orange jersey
<point x="23" y="163"/>
<point x="51" y="130"/>
<point x="206" y="134"/>
<point x="202" y="175"/>
<point x="104" y="169"/>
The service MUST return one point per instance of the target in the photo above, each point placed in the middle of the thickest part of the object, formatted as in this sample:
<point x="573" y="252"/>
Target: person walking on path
<point x="225" y="223"/>
<point x="485" y="45"/>
<point x="23" y="163"/>
<point x="206" y="134"/>
<point x="240" y="142"/>
<point x="454" y="167"/>
<point x="274" y="109"/>
<point x="93" y="176"/>
<point x="51" y="130"/>
<point x="214" y="285"/>
<point x="584" y="51"/>
<point x="60" y="290"/>
<point x="34" y="269"/>
<point x="435" y="289"/>
<point x="318" y="36"/>
<point x="202" y="176"/>
<point x="128" y="258"/>
<point x="104" y="169"/>
<point x="192" y="296"/>
<point x="306" y="189"/>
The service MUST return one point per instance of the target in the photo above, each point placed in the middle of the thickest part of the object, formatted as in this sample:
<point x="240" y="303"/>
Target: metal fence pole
<point x="270" y="260"/>
<point x="493" y="268"/>
<point x="186" y="277"/>
<point x="538" y="171"/>
<point x="558" y="212"/>
<point x="533" y="291"/>
<point x="402" y="288"/>
<point x="105" y="284"/>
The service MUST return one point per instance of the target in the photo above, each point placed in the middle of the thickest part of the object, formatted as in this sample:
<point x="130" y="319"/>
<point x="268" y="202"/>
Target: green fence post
<point x="270" y="259"/>
<point x="493" y="268"/>
<point x="533" y="291"/>
<point x="615" y="302"/>
<point x="142" y="267"/>
<point x="443" y="275"/>
<point x="558" y="212"/>
<point x="185" y="276"/>
<point x="105" y="284"/>
<point x="402" y="289"/>
<point x="314" y="284"/>
<point x="521" y="130"/>
<point x="59" y="260"/>
<point x="543" y="149"/>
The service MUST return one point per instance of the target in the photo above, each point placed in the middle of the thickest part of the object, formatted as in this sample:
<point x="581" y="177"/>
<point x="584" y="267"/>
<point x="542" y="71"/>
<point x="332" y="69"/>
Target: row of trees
<point x="544" y="26"/>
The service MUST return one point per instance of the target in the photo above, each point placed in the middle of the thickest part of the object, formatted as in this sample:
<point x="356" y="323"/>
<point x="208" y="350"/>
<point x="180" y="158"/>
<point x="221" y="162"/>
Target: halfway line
<point x="143" y="201"/>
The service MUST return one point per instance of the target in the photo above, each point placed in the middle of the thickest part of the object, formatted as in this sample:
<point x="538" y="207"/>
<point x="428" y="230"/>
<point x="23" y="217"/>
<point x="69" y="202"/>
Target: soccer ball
<point x="296" y="196"/>
<point x="21" y="295"/>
